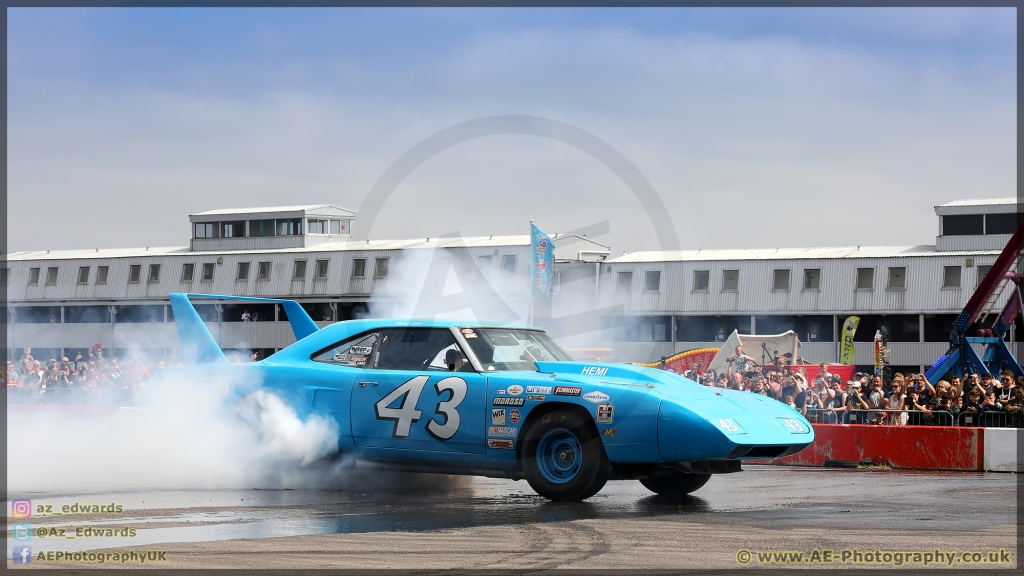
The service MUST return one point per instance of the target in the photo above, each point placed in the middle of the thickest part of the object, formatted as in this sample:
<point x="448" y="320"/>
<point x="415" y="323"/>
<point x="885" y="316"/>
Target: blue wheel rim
<point x="559" y="456"/>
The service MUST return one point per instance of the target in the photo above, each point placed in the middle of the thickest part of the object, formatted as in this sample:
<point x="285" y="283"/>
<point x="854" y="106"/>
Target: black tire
<point x="593" y="468"/>
<point x="677" y="484"/>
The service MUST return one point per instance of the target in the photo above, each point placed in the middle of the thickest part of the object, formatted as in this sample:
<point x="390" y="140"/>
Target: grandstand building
<point x="636" y="307"/>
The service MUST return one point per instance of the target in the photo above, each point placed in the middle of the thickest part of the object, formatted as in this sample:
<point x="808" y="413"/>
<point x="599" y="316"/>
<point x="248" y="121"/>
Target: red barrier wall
<point x="908" y="447"/>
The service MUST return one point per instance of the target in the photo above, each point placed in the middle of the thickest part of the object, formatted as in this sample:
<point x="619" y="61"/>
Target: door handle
<point x="364" y="384"/>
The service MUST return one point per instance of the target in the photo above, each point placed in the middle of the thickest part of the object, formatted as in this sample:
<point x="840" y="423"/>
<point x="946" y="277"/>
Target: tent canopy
<point x="777" y="345"/>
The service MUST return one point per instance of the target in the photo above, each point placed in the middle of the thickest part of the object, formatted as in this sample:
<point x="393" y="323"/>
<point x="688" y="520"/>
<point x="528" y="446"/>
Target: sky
<point x="756" y="127"/>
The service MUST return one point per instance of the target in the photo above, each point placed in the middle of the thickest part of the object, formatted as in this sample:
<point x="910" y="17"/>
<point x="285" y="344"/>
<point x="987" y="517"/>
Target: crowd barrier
<point x="71" y="397"/>
<point x="916" y="418"/>
<point x="957" y="448"/>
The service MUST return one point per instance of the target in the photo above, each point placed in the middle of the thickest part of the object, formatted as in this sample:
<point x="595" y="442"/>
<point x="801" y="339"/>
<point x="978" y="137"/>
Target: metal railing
<point x="71" y="396"/>
<point x="883" y="416"/>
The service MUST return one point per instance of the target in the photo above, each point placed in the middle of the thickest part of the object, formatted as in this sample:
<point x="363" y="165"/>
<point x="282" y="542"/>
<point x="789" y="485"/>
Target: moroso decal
<point x="568" y="390"/>
<point x="509" y="431"/>
<point x="507" y="401"/>
<point x="513" y="416"/>
<point x="501" y="444"/>
<point x="538" y="389"/>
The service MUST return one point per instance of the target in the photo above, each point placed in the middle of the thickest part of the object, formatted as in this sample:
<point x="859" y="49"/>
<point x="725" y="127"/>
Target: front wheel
<point x="562" y="458"/>
<point x="677" y="484"/>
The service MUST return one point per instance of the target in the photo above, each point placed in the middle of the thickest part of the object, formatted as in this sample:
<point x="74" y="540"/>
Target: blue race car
<point x="498" y="400"/>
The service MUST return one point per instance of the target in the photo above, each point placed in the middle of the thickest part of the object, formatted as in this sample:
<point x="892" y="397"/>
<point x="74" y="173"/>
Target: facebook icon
<point x="21" y="555"/>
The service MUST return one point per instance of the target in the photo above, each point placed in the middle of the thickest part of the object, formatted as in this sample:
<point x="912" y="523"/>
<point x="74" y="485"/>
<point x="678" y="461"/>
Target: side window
<point x="355" y="351"/>
<point x="419" y="349"/>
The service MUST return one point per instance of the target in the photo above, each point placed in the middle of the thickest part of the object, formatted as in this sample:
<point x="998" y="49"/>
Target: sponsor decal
<point x="473" y="336"/>
<point x="500" y="392"/>
<point x="594" y="371"/>
<point x="605" y="414"/>
<point x="501" y="444"/>
<point x="515" y="390"/>
<point x="507" y="431"/>
<point x="514" y="416"/>
<point x="363" y="350"/>
<point x="535" y="397"/>
<point x="506" y="401"/>
<point x="467" y="330"/>
<point x="568" y="390"/>
<point x="596" y="397"/>
<point x="538" y="389"/>
<point x="341" y="357"/>
<point x="609" y="432"/>
<point x="357" y="360"/>
<point x="498" y="417"/>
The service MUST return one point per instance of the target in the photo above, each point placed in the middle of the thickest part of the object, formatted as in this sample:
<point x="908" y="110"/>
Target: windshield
<point x="505" y="349"/>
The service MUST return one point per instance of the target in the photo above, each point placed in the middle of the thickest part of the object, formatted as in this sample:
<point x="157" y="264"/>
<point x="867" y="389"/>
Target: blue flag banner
<point x="542" y="252"/>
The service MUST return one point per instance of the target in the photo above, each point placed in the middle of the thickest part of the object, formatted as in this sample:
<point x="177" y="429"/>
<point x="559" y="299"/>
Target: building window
<point x="730" y="280"/>
<point x="233" y="229"/>
<point x="154" y="273"/>
<point x="134" y="272"/>
<point x="1002" y="223"/>
<point x="321" y="269"/>
<point x="289" y="227"/>
<point x="652" y="281"/>
<point x="381" y="270"/>
<point x="484" y="262"/>
<point x="299" y="272"/>
<point x="243" y="272"/>
<point x="508" y="263"/>
<point x="33" y="276"/>
<point x="358" y="267"/>
<point x="51" y="276"/>
<point x="624" y="282"/>
<point x="780" y="280"/>
<point x="263" y="272"/>
<point x="83" y="275"/>
<point x="188" y="271"/>
<point x="963" y="225"/>
<point x="206" y="229"/>
<point x="208" y="272"/>
<point x="950" y="276"/>
<point x="101" y="274"/>
<point x="865" y="278"/>
<point x="897" y="278"/>
<point x="982" y="271"/>
<point x="335" y="226"/>
<point x="316" y="226"/>
<point x="812" y="277"/>
<point x="701" y="279"/>
<point x="260" y="228"/>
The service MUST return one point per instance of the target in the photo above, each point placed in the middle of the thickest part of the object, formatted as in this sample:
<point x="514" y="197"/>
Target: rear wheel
<point x="562" y="457"/>
<point x="675" y="484"/>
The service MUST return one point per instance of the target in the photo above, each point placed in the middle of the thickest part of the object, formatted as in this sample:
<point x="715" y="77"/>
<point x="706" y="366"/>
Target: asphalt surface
<point x="431" y="522"/>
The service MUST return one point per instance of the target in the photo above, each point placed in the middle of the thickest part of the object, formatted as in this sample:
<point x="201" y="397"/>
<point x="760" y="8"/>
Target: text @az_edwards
<point x="876" y="557"/>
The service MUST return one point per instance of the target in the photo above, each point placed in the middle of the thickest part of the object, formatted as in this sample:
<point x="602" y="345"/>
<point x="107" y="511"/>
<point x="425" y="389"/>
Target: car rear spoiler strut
<point x="198" y="345"/>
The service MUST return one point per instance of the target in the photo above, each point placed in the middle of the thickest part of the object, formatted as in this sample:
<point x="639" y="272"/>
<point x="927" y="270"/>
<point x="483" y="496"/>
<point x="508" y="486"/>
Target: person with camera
<point x="855" y="400"/>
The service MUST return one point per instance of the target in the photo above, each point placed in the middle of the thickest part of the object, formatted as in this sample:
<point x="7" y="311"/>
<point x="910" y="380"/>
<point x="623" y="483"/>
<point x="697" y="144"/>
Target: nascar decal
<point x="535" y="397"/>
<point x="406" y="414"/>
<point x="605" y="414"/>
<point x="515" y="390"/>
<point x="538" y="389"/>
<point x="507" y="401"/>
<point x="609" y="432"/>
<point x="514" y="416"/>
<point x="594" y="371"/>
<point x="497" y="416"/>
<point x="501" y="444"/>
<point x="568" y="390"/>
<point x="507" y="431"/>
<point x="596" y="397"/>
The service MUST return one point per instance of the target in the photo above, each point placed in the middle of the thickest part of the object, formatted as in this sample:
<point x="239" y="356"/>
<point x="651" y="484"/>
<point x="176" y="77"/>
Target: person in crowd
<point x="13" y="375"/>
<point x="876" y="398"/>
<point x="1016" y="404"/>
<point x="896" y="404"/>
<point x="987" y="382"/>
<point x="246" y="316"/>
<point x="823" y="371"/>
<point x="739" y="362"/>
<point x="1004" y="392"/>
<point x="855" y="399"/>
<point x="973" y="402"/>
<point x="27" y="355"/>
<point x="957" y="385"/>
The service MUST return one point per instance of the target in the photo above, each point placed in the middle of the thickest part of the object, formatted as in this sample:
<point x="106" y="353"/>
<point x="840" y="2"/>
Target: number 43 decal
<point x="406" y="414"/>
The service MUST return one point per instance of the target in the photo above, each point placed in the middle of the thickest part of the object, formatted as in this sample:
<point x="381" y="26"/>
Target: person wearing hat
<point x="855" y="400"/>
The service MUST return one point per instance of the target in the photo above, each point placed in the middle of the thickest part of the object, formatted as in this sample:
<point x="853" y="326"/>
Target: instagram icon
<point x="21" y="508"/>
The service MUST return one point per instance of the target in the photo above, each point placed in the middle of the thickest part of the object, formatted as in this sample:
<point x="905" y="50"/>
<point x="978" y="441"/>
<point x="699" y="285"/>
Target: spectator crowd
<point x="975" y="399"/>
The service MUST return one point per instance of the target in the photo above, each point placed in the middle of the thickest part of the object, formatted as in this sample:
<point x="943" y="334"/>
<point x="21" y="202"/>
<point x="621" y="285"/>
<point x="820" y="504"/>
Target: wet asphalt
<point x="422" y="520"/>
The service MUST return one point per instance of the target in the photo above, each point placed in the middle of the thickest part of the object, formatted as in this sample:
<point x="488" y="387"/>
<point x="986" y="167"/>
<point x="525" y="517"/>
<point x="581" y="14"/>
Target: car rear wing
<point x="198" y="345"/>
